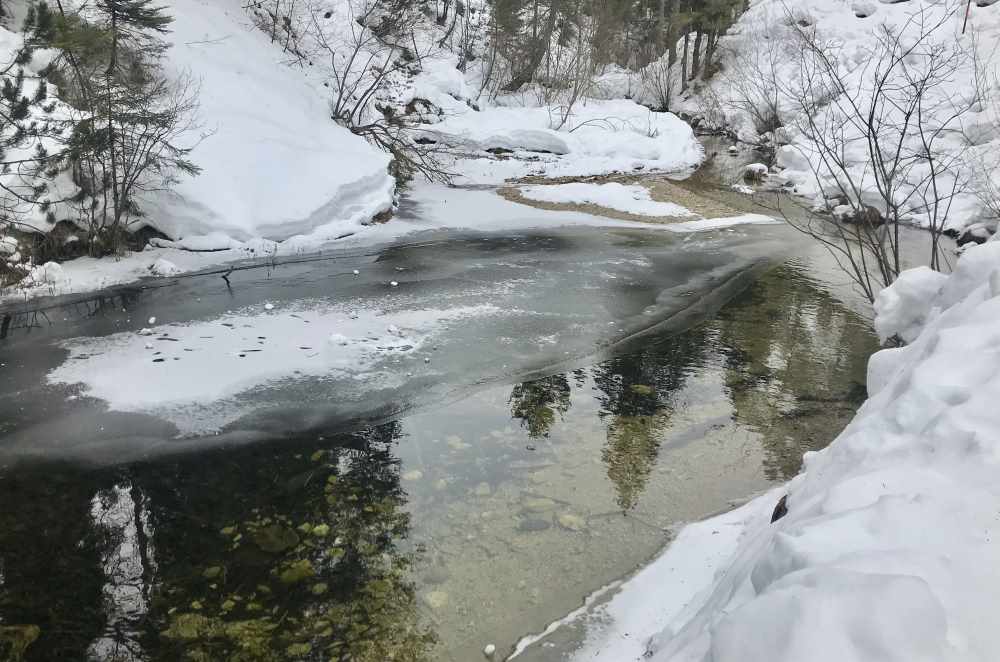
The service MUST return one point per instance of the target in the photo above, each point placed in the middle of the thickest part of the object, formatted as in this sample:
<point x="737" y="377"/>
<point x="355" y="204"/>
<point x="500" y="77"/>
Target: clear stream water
<point x="633" y="381"/>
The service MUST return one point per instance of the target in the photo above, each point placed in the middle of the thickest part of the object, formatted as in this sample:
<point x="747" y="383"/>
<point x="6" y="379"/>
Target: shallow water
<point x="475" y="518"/>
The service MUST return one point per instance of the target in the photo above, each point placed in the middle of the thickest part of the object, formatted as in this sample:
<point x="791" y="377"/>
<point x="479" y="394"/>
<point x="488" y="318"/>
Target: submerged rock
<point x="297" y="572"/>
<point x="436" y="600"/>
<point x="538" y="504"/>
<point x="15" y="639"/>
<point x="533" y="524"/>
<point x="275" y="538"/>
<point x="571" y="521"/>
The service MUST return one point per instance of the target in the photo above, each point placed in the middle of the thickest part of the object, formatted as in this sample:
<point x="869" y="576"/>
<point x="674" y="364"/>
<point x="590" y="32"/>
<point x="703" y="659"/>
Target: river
<point x="564" y="398"/>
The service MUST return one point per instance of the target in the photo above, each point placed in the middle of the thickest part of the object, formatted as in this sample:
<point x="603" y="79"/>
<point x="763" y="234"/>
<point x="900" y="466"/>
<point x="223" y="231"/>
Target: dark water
<point x="472" y="520"/>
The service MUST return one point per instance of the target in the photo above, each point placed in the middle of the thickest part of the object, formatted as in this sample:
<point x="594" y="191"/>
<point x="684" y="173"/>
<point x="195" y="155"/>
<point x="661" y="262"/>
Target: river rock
<point x="275" y="538"/>
<point x="571" y="521"/>
<point x="538" y="504"/>
<point x="15" y="639"/>
<point x="436" y="600"/>
<point x="413" y="474"/>
<point x="456" y="443"/>
<point x="435" y="575"/>
<point x="533" y="524"/>
<point x="482" y="490"/>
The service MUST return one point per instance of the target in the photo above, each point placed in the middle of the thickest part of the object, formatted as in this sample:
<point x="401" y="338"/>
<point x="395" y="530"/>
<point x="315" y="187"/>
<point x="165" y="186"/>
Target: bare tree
<point x="877" y="143"/>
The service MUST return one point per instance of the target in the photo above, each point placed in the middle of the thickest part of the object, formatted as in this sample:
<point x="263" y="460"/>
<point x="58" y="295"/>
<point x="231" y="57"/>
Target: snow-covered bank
<point x="599" y="137"/>
<point x="887" y="551"/>
<point x="273" y="163"/>
<point x="773" y="88"/>
<point x="435" y="207"/>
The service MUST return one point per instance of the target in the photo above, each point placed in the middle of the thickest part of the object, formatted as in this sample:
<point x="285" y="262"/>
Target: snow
<point x="632" y="199"/>
<point x="438" y="207"/>
<point x="903" y="309"/>
<point x="599" y="137"/>
<point x="204" y="372"/>
<point x="887" y="550"/>
<point x="164" y="268"/>
<point x="763" y="41"/>
<point x="273" y="162"/>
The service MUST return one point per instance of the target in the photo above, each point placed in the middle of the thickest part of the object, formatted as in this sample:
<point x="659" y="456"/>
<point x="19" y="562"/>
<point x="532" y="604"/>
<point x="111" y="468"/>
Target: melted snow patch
<point x="631" y="199"/>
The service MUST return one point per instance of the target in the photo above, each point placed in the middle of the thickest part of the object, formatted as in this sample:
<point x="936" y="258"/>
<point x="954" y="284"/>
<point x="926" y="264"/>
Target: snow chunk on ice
<point x="632" y="199"/>
<point x="164" y="268"/>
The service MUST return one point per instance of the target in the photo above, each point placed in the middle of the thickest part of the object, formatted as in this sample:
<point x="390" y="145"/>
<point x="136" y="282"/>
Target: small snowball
<point x="394" y="284"/>
<point x="268" y="306"/>
<point x="356" y="272"/>
<point x="490" y="650"/>
<point x="152" y="321"/>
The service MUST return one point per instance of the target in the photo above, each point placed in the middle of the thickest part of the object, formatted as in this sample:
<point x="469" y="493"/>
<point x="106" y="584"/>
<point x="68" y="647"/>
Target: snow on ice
<point x="202" y="369"/>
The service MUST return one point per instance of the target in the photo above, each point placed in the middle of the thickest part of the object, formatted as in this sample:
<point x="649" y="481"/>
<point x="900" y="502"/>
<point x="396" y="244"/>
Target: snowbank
<point x="762" y="47"/>
<point x="632" y="199"/>
<point x="273" y="162"/>
<point x="599" y="137"/>
<point x="887" y="551"/>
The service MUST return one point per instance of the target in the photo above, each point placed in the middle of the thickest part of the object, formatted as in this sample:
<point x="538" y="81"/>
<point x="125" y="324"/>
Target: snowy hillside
<point x="790" y="71"/>
<point x="888" y="549"/>
<point x="273" y="163"/>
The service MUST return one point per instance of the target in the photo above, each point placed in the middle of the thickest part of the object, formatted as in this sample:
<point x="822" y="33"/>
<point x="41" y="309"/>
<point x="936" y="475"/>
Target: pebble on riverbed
<point x="489" y="651"/>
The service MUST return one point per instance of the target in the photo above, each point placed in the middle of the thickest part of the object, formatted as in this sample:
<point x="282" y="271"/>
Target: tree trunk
<point x="684" y="62"/>
<point x="696" y="55"/>
<point x="672" y="32"/>
<point x="661" y="29"/>
<point x="112" y="66"/>
<point x="713" y="41"/>
<point x="539" y="48"/>
<point x="450" y="30"/>
<point x="442" y="16"/>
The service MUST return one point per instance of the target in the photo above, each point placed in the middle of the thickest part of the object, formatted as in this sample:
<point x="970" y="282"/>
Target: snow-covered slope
<point x="889" y="547"/>
<point x="598" y="137"/>
<point x="273" y="162"/>
<point x="763" y="66"/>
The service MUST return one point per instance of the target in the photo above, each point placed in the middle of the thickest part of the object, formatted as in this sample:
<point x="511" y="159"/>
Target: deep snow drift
<point x="888" y="549"/>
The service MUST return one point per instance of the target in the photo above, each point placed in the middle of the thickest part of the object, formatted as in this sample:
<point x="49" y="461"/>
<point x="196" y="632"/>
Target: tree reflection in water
<point x="258" y="553"/>
<point x="537" y="402"/>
